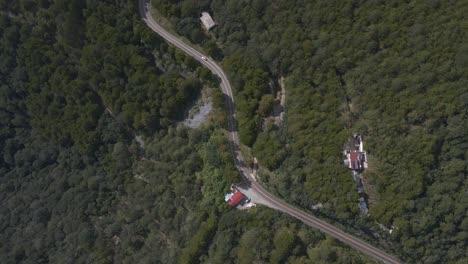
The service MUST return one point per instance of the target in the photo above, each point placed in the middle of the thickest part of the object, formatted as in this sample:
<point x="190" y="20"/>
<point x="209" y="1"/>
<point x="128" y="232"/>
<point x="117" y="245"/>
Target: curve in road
<point x="268" y="199"/>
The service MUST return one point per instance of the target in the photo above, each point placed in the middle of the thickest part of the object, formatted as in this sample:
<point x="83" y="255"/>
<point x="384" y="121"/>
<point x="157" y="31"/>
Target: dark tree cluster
<point x="394" y="71"/>
<point x="77" y="80"/>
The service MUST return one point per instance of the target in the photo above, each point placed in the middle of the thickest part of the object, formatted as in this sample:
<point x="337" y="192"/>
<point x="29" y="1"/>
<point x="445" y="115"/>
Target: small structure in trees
<point x="207" y="21"/>
<point x="234" y="198"/>
<point x="356" y="160"/>
<point x="356" y="157"/>
<point x="238" y="200"/>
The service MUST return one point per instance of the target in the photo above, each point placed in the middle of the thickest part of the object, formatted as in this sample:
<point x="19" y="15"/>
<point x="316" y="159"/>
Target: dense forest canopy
<point x="78" y="80"/>
<point x="394" y="71"/>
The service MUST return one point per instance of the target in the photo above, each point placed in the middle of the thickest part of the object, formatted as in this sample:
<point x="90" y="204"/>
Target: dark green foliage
<point x="283" y="241"/>
<point x="269" y="149"/>
<point x="266" y="105"/>
<point x="264" y="236"/>
<point x="69" y="88"/>
<point x="250" y="91"/>
<point x="199" y="241"/>
<point x="76" y="79"/>
<point x="394" y="71"/>
<point x="219" y="104"/>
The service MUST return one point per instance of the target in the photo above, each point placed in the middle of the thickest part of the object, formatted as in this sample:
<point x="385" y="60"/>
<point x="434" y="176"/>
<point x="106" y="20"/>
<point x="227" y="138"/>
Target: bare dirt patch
<point x="200" y="111"/>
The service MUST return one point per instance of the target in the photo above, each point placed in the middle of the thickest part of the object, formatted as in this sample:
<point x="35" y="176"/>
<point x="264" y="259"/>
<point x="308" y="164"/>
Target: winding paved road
<point x="255" y="190"/>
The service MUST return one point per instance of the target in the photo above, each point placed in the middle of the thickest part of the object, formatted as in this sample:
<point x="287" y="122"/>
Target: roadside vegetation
<point x="394" y="71"/>
<point x="78" y="79"/>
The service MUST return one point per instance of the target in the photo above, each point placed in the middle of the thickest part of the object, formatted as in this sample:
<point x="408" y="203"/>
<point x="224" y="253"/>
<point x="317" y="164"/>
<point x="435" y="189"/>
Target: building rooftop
<point x="235" y="199"/>
<point x="356" y="160"/>
<point x="207" y="21"/>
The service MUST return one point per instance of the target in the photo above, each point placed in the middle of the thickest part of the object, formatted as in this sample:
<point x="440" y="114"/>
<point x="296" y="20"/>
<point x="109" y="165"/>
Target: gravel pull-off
<point x="254" y="196"/>
<point x="200" y="117"/>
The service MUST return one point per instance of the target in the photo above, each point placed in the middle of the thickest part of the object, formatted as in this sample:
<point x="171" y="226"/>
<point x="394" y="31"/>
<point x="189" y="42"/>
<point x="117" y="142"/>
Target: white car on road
<point x="204" y="58"/>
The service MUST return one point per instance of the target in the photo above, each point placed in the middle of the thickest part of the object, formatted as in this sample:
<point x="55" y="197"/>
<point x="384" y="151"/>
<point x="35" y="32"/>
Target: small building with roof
<point x="207" y="21"/>
<point x="234" y="198"/>
<point x="356" y="157"/>
<point x="356" y="160"/>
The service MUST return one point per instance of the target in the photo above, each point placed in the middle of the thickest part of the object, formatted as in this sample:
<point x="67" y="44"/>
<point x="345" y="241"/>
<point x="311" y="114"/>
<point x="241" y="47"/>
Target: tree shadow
<point x="232" y="122"/>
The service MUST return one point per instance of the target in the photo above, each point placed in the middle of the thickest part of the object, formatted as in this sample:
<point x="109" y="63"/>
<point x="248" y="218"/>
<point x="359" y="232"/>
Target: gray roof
<point x="207" y="21"/>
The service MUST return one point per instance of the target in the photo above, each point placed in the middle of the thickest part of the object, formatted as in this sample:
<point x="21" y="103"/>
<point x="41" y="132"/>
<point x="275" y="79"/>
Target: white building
<point x="207" y="21"/>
